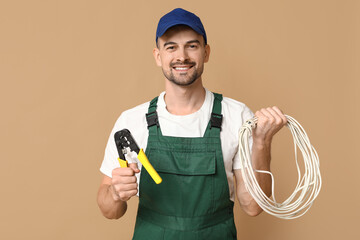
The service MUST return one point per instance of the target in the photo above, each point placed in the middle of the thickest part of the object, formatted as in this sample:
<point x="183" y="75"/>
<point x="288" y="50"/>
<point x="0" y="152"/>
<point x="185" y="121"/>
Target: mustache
<point x="182" y="63"/>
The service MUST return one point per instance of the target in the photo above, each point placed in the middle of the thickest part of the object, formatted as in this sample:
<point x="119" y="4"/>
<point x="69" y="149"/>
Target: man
<point x="193" y="146"/>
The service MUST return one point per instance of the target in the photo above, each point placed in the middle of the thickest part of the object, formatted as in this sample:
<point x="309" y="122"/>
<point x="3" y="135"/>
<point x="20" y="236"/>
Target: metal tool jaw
<point x="124" y="140"/>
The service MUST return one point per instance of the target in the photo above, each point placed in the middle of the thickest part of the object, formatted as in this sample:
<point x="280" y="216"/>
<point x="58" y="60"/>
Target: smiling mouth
<point x="182" y="68"/>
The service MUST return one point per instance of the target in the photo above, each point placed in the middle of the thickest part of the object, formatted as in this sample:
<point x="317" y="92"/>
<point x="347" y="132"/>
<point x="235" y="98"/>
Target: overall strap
<point x="214" y="126"/>
<point x="153" y="105"/>
<point x="216" y="117"/>
<point x="152" y="117"/>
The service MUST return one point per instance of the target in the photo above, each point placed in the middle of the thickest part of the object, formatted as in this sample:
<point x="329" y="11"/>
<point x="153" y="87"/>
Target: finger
<point x="281" y="114"/>
<point x="261" y="117"/>
<point x="124" y="196"/>
<point x="123" y="180"/>
<point x="126" y="187"/>
<point x="268" y="115"/>
<point x="134" y="167"/>
<point x="278" y="119"/>
<point x="123" y="172"/>
<point x="129" y="179"/>
<point x="259" y="114"/>
<point x="272" y="112"/>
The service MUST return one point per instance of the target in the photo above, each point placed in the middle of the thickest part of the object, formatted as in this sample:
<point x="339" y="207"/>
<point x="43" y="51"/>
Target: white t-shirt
<point x="193" y="125"/>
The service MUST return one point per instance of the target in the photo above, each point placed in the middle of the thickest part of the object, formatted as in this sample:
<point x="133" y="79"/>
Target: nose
<point x="182" y="55"/>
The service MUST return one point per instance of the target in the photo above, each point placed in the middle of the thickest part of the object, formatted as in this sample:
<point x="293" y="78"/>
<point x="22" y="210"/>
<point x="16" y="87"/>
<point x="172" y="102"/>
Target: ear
<point x="156" y="54"/>
<point x="207" y="53"/>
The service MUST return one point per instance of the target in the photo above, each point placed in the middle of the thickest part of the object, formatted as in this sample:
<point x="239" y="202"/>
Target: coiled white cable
<point x="308" y="185"/>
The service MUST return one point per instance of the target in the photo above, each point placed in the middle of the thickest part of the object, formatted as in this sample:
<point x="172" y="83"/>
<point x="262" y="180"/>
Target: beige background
<point x="69" y="68"/>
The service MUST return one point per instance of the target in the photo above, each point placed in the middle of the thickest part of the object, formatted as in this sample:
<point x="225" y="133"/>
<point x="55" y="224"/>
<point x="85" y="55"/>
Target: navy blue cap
<point x="180" y="16"/>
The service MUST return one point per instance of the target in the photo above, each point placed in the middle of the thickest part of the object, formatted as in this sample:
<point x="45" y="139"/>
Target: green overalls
<point x="193" y="200"/>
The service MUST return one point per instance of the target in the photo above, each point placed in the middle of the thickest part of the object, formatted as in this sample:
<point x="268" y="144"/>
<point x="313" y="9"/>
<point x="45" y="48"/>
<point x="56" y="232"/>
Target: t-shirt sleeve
<point x="111" y="155"/>
<point x="134" y="120"/>
<point x="246" y="115"/>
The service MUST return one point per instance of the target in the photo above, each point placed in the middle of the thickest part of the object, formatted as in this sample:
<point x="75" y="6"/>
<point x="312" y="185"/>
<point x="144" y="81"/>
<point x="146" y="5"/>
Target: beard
<point x="185" y="79"/>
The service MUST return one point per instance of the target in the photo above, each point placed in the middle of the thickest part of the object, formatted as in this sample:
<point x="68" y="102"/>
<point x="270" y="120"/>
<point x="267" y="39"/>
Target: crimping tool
<point x="124" y="140"/>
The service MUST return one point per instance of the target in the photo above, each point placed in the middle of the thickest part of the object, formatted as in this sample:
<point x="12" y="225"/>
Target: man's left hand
<point x="270" y="121"/>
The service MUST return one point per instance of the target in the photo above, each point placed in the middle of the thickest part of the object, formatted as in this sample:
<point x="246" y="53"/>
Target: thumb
<point x="134" y="167"/>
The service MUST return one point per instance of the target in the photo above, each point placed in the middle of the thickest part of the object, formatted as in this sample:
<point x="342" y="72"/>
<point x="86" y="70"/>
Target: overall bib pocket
<point x="188" y="181"/>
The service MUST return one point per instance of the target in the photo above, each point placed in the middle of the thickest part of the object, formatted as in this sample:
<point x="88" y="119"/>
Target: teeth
<point x="181" y="68"/>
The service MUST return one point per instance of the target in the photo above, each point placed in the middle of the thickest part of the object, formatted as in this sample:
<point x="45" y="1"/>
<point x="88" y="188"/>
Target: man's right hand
<point x="124" y="183"/>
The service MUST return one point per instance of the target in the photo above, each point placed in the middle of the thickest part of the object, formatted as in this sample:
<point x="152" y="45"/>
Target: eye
<point x="193" y="46"/>
<point x="170" y="48"/>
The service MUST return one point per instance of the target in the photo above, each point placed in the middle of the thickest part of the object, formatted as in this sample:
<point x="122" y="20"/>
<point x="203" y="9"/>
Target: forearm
<point x="110" y="208"/>
<point x="261" y="157"/>
<point x="260" y="161"/>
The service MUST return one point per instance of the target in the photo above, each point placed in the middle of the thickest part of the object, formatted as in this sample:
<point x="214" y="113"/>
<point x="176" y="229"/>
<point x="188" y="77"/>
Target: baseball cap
<point x="180" y="16"/>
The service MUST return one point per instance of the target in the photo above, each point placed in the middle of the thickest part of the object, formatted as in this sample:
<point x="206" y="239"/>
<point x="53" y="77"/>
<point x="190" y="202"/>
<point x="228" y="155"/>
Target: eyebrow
<point x="169" y="43"/>
<point x="191" y="41"/>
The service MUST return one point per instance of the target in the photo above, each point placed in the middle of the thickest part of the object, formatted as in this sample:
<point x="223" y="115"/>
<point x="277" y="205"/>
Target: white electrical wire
<point x="308" y="185"/>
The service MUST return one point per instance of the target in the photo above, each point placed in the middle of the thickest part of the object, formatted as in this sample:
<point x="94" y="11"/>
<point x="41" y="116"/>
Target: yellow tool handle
<point x="123" y="163"/>
<point x="147" y="165"/>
